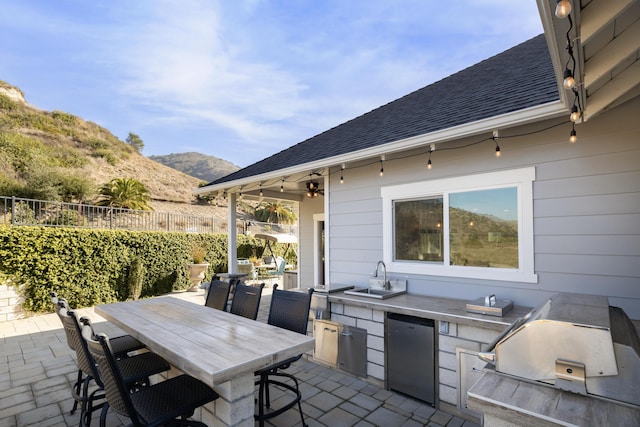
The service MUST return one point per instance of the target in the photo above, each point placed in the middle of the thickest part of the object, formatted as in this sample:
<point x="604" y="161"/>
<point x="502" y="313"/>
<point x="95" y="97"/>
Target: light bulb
<point x="569" y="82"/>
<point x="429" y="165"/>
<point x="575" y="114"/>
<point x="563" y="8"/>
<point x="572" y="136"/>
<point x="498" y="150"/>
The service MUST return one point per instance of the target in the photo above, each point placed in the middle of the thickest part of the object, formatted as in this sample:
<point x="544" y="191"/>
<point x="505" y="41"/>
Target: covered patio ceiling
<point x="606" y="46"/>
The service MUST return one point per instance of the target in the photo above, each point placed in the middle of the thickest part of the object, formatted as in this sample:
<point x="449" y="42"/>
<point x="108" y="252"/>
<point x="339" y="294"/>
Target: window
<point x="479" y="226"/>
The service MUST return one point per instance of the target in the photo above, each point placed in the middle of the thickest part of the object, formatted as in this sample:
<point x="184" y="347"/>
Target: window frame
<point x="522" y="179"/>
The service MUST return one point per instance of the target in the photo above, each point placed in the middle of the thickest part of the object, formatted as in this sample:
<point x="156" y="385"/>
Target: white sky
<point x="242" y="79"/>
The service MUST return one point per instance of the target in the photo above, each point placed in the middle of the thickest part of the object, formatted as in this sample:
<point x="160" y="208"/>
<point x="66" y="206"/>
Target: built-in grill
<point x="574" y="342"/>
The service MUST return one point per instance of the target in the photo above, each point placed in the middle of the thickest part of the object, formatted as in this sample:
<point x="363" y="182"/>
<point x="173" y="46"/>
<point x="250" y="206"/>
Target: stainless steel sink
<point x="375" y="293"/>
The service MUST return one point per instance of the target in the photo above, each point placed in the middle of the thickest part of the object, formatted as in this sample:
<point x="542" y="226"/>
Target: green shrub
<point x="23" y="214"/>
<point x="68" y="218"/>
<point x="90" y="267"/>
<point x="135" y="278"/>
<point x="7" y="103"/>
<point x="107" y="155"/>
<point x="64" y="118"/>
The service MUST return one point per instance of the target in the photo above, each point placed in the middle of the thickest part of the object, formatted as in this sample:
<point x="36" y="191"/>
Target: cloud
<point x="261" y="74"/>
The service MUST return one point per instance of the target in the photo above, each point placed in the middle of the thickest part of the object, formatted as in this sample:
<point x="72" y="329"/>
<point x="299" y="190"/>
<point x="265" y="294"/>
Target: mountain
<point x="207" y="168"/>
<point x="59" y="156"/>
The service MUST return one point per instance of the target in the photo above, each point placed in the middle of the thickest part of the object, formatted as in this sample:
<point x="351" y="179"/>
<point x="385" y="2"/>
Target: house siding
<point x="586" y="210"/>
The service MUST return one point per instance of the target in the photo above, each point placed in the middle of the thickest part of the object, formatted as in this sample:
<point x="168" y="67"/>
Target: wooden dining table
<point x="219" y="348"/>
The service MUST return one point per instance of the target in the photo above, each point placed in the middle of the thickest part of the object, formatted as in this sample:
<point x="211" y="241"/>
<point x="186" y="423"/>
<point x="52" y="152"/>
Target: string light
<point x="342" y="174"/>
<point x="449" y="148"/>
<point x="429" y="164"/>
<point x="563" y="8"/>
<point x="261" y="193"/>
<point x="575" y="113"/>
<point x="381" y="167"/>
<point x="495" y="139"/>
<point x="573" y="137"/>
<point x="282" y="186"/>
<point x="569" y="82"/>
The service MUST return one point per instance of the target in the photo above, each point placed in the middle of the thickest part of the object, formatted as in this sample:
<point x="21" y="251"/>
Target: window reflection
<point x="483" y="228"/>
<point x="418" y="230"/>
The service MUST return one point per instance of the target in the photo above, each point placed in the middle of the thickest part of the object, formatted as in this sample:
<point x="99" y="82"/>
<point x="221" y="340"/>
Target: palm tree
<point x="125" y="193"/>
<point x="275" y="213"/>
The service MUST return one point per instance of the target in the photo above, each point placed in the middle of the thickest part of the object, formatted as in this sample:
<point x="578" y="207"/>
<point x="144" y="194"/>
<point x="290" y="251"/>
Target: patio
<point x="37" y="370"/>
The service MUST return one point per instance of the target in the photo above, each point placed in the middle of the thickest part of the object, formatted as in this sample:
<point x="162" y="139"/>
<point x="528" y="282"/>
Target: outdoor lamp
<point x="569" y="82"/>
<point x="563" y="8"/>
<point x="575" y="114"/>
<point x="573" y="137"/>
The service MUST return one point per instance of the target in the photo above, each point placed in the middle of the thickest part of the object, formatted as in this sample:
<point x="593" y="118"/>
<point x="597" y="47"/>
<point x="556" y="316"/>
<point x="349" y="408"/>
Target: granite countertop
<point x="436" y="308"/>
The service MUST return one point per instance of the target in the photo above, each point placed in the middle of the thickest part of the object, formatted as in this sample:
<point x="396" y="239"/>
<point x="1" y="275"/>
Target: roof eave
<point x="511" y="119"/>
<point x="556" y="45"/>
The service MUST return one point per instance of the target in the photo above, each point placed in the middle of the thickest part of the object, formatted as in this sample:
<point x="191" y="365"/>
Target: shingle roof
<point x="515" y="79"/>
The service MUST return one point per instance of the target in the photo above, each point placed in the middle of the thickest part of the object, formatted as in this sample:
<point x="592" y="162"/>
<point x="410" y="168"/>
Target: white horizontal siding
<point x="601" y="265"/>
<point x="581" y="244"/>
<point x="601" y="184"/>
<point x="601" y="204"/>
<point x="610" y="225"/>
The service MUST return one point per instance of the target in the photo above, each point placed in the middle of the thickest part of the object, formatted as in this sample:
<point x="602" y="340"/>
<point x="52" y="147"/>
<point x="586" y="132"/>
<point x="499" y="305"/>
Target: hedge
<point x="92" y="267"/>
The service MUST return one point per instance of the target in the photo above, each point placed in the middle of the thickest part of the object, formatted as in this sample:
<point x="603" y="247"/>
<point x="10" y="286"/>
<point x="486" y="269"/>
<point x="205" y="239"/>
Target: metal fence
<point x="17" y="211"/>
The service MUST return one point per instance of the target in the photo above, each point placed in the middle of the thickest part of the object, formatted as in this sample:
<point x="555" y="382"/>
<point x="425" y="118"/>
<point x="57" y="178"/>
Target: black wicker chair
<point x="136" y="369"/>
<point x="123" y="345"/>
<point x="246" y="300"/>
<point x="288" y="310"/>
<point x="218" y="295"/>
<point x="167" y="402"/>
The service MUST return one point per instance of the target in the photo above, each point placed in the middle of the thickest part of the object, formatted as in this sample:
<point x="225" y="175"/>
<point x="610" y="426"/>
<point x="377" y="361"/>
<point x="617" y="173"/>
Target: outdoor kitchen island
<point x="460" y="335"/>
<point x="574" y="360"/>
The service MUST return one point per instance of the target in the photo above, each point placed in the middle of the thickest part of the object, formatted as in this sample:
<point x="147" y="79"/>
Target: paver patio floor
<point x="37" y="371"/>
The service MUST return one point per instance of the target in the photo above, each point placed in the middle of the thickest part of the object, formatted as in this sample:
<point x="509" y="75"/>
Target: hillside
<point x="207" y="168"/>
<point x="42" y="151"/>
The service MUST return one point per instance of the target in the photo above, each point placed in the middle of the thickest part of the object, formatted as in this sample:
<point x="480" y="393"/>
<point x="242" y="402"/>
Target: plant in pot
<point x="197" y="267"/>
<point x="253" y="259"/>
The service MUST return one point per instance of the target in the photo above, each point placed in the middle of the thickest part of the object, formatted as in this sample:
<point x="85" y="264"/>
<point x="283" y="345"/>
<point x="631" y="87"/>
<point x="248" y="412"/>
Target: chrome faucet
<point x="386" y="285"/>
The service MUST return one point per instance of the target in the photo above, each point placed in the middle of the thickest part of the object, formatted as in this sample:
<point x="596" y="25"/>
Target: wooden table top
<point x="211" y="345"/>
